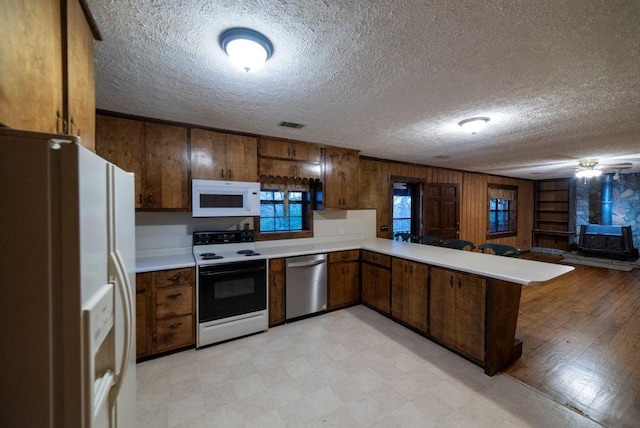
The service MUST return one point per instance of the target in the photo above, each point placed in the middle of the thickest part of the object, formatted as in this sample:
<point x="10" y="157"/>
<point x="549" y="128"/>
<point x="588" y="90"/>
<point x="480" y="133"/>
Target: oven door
<point x="230" y="289"/>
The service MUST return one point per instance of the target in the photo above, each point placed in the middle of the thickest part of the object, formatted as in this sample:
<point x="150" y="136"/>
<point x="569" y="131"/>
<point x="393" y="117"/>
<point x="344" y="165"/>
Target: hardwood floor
<point x="581" y="336"/>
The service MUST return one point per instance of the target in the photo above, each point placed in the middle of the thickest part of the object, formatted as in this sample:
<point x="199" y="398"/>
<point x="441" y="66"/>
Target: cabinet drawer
<point x="166" y="278"/>
<point x="174" y="333"/>
<point x="174" y="301"/>
<point x="379" y="259"/>
<point x="344" y="256"/>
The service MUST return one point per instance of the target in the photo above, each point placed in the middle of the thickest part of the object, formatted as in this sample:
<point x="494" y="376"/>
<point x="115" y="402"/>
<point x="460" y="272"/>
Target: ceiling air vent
<point x="291" y="125"/>
<point x="441" y="157"/>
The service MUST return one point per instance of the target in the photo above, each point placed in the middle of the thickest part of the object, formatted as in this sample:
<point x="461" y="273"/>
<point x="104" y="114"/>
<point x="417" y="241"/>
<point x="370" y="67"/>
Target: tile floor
<point x="349" y="368"/>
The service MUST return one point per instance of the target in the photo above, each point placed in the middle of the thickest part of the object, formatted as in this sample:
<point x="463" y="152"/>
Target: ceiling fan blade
<point x="625" y="165"/>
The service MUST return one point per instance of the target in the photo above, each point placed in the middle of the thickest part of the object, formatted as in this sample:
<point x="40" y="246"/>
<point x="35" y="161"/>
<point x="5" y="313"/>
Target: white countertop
<point x="519" y="271"/>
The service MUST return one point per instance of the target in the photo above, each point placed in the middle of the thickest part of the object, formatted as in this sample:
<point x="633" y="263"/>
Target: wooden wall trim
<point x="91" y="21"/>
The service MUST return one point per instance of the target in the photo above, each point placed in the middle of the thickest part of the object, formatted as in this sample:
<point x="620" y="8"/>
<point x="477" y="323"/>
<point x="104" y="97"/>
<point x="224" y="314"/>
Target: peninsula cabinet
<point x="276" y="292"/>
<point x="376" y="281"/>
<point x="458" y="311"/>
<point x="409" y="293"/>
<point x="166" y="321"/>
<point x="341" y="178"/>
<point x="47" y="82"/>
<point x="158" y="156"/>
<point x="344" y="279"/>
<point x="222" y="156"/>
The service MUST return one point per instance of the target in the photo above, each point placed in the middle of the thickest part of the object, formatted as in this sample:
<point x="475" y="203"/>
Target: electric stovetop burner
<point x="210" y="256"/>
<point x="248" y="253"/>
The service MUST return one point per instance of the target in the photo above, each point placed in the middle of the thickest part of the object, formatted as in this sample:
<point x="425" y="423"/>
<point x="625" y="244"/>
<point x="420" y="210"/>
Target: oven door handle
<point x="231" y="272"/>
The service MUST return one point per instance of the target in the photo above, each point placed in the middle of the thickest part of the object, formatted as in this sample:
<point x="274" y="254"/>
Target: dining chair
<point x="499" y="249"/>
<point x="459" y="244"/>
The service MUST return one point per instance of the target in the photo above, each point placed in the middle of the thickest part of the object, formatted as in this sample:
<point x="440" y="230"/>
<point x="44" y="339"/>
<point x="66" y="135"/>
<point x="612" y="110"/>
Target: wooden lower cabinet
<point x="344" y="278"/>
<point x="409" y="293"/>
<point x="276" y="292"/>
<point x="376" y="281"/>
<point x="165" y="311"/>
<point x="458" y="311"/>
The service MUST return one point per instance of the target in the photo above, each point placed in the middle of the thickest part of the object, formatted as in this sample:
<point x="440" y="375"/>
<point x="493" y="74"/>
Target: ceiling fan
<point x="588" y="168"/>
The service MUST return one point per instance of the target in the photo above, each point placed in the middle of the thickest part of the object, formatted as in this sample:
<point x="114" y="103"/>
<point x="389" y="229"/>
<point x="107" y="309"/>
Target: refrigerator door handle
<point x="123" y="284"/>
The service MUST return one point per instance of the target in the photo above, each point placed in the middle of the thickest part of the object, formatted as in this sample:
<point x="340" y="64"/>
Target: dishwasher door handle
<point x="306" y="264"/>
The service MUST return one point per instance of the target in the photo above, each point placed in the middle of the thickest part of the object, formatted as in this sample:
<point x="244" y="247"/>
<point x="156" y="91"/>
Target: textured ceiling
<point x="560" y="80"/>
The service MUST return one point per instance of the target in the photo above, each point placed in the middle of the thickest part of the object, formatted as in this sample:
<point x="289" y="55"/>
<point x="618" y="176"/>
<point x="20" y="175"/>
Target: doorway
<point x="407" y="208"/>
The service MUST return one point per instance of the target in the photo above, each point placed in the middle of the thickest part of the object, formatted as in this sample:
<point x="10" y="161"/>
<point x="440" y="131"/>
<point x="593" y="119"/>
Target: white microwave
<point x="214" y="198"/>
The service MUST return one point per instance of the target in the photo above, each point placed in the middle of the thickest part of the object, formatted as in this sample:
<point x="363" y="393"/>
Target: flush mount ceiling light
<point x="247" y="49"/>
<point x="588" y="169"/>
<point x="473" y="124"/>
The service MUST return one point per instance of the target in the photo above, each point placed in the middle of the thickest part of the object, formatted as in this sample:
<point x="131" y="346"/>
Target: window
<point x="284" y="210"/>
<point x="406" y="208"/>
<point x="502" y="211"/>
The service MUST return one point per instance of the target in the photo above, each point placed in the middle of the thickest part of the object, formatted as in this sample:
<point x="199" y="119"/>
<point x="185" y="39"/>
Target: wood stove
<point x="607" y="241"/>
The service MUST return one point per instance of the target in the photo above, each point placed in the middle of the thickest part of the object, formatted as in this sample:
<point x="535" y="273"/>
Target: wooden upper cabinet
<point x="292" y="150"/>
<point x="121" y="141"/>
<point x="32" y="84"/>
<point x="341" y="178"/>
<point x="156" y="154"/>
<point x="166" y="183"/>
<point x="221" y="156"/>
<point x="81" y="111"/>
<point x="374" y="191"/>
<point x="31" y="65"/>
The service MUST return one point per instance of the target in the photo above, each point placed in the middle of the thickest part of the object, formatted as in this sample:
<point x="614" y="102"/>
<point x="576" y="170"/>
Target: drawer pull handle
<point x="174" y="296"/>
<point x="451" y="281"/>
<point x="174" y="326"/>
<point x="175" y="277"/>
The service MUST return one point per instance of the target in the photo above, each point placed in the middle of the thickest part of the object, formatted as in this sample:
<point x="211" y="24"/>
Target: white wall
<point x="344" y="222"/>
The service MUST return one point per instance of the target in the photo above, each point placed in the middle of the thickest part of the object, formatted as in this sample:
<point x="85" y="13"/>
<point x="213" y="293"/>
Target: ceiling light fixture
<point x="588" y="169"/>
<point x="247" y="49"/>
<point x="473" y="124"/>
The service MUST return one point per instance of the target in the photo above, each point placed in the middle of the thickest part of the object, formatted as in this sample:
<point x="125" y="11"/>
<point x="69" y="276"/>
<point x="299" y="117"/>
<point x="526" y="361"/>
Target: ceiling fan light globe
<point x="246" y="55"/>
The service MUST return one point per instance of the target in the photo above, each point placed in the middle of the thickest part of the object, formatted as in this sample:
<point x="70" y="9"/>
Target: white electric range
<point x="231" y="286"/>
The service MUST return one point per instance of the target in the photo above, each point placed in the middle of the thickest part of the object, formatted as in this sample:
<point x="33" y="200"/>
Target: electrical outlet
<point x="341" y="230"/>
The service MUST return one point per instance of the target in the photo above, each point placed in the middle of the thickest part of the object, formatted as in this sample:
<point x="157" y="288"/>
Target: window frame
<point x="513" y="211"/>
<point x="307" y="217"/>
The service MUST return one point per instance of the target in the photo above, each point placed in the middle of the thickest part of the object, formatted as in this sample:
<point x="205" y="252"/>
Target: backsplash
<point x="160" y="230"/>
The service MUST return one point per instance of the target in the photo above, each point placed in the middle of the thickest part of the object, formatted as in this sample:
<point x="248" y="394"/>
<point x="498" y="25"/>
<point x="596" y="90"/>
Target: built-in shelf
<point x="554" y="208"/>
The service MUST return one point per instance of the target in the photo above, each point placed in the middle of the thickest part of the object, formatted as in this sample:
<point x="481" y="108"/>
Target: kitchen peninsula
<point x="465" y="301"/>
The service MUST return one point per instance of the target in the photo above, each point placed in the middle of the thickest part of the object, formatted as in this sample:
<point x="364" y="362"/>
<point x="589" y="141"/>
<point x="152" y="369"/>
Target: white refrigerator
<point x="67" y="304"/>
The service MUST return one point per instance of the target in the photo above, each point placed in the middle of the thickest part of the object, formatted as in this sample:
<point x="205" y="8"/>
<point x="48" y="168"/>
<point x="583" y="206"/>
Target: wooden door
<point x="144" y="337"/>
<point x="121" y="142"/>
<point x="208" y="154"/>
<point x="374" y="191"/>
<point x="442" y="306"/>
<point x="368" y="284"/>
<point x="81" y="112"/>
<point x="350" y="179"/>
<point x="383" y="289"/>
<point x="167" y="167"/>
<point x="470" y="314"/>
<point x="31" y="65"/>
<point x="333" y="178"/>
<point x="399" y="269"/>
<point x="275" y="149"/>
<point x="442" y="210"/>
<point x="344" y="279"/>
<point x="306" y="152"/>
<point x="276" y="292"/>
<point x="415" y="296"/>
<point x="242" y="158"/>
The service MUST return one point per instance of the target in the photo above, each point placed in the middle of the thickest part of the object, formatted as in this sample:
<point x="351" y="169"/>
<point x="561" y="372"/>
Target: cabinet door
<point x="399" y="269"/>
<point x="368" y="284"/>
<point x="275" y="148"/>
<point x="306" y="152"/>
<point x="121" y="141"/>
<point x="276" y="292"/>
<point x="470" y="314"/>
<point x="374" y="191"/>
<point x="242" y="158"/>
<point x="81" y="114"/>
<point x="142" y="324"/>
<point x="415" y="296"/>
<point x="383" y="289"/>
<point x="442" y="324"/>
<point x="350" y="160"/>
<point x="333" y="178"/>
<point x="167" y="167"/>
<point x="31" y="70"/>
<point x="208" y="154"/>
<point x="344" y="281"/>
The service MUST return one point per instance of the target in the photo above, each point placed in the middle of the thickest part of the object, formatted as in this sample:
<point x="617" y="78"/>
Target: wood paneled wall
<point x="375" y="192"/>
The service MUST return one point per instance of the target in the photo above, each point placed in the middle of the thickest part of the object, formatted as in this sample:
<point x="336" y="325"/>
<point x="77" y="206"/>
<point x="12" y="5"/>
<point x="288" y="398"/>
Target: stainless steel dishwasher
<point x="306" y="285"/>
